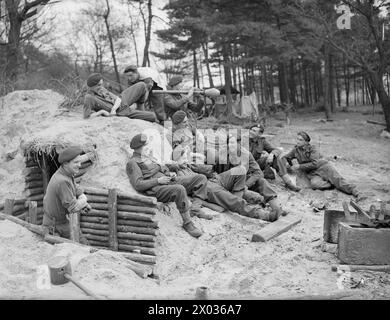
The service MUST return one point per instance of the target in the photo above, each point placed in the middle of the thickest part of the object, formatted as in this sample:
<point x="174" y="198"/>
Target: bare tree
<point x="18" y="14"/>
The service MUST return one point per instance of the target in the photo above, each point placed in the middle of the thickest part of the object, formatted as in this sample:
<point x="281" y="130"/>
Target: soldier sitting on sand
<point x="321" y="173"/>
<point x="101" y="102"/>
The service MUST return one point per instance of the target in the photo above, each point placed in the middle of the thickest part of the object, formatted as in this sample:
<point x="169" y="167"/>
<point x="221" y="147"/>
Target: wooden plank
<point x="135" y="203"/>
<point x="141" y="258"/>
<point x="135" y="216"/>
<point x="112" y="219"/>
<point x="34" y="191"/>
<point x="135" y="236"/>
<point x="127" y="208"/>
<point x="34" y="177"/>
<point x="32" y="212"/>
<point x="34" y="184"/>
<point x="275" y="229"/>
<point x="137" y="243"/>
<point x="74" y="222"/>
<point x="95" y="226"/>
<point x="122" y="195"/>
<point x="98" y="206"/>
<point x="95" y="220"/>
<point x="32" y="170"/>
<point x="37" y="197"/>
<point x="9" y="206"/>
<point x="97" y="199"/>
<point x="355" y="267"/>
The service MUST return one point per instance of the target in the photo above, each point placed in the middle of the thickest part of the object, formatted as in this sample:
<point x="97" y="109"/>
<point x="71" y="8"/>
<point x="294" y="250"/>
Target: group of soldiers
<point x="239" y="184"/>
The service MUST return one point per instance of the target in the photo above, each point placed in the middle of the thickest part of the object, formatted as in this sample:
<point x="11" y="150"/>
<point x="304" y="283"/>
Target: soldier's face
<point x="254" y="132"/>
<point x="74" y="166"/>
<point x="300" y="141"/>
<point x="132" y="76"/>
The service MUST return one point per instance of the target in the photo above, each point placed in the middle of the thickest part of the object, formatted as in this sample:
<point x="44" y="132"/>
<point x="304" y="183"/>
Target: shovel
<point x="61" y="273"/>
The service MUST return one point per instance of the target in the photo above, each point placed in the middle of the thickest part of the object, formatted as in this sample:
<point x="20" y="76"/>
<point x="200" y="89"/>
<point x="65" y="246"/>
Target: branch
<point x="29" y="5"/>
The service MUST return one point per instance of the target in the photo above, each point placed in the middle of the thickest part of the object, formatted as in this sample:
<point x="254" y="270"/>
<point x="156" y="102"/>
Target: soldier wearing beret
<point x="321" y="173"/>
<point x="101" y="102"/>
<point x="175" y="102"/>
<point x="148" y="177"/>
<point x="152" y="81"/>
<point x="63" y="197"/>
<point x="268" y="156"/>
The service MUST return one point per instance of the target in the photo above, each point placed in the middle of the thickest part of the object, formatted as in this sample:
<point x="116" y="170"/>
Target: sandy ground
<point x="223" y="259"/>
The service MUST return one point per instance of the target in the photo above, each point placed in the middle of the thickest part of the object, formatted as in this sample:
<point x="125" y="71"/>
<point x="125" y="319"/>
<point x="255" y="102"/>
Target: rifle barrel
<point x="177" y="91"/>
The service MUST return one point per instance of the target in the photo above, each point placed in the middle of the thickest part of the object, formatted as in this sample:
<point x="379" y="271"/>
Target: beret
<point x="304" y="135"/>
<point x="138" y="141"/>
<point x="69" y="154"/>
<point x="132" y="68"/>
<point x="178" y="117"/>
<point x="94" y="79"/>
<point x="175" y="80"/>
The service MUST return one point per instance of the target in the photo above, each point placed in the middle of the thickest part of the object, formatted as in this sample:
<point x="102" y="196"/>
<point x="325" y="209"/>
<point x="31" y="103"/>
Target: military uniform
<point x="99" y="98"/>
<point x="175" y="102"/>
<point x="144" y="172"/>
<point x="321" y="173"/>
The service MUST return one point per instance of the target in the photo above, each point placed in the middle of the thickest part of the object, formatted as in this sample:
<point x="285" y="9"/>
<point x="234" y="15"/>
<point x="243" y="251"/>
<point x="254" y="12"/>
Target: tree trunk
<point x="146" y="61"/>
<point x="118" y="79"/>
<point x="346" y="81"/>
<point x="205" y="47"/>
<point x="338" y="90"/>
<point x="327" y="82"/>
<point x="195" y="66"/>
<point x="228" y="82"/>
<point x="384" y="99"/>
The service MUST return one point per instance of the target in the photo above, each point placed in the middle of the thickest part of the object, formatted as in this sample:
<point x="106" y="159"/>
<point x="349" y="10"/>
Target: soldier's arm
<point x="270" y="148"/>
<point x="254" y="172"/>
<point x="289" y="156"/>
<point x="136" y="178"/>
<point x="173" y="103"/>
<point x="68" y="199"/>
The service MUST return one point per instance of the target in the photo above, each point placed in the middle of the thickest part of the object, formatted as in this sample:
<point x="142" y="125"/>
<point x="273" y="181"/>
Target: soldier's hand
<point x="295" y="167"/>
<point x="164" y="180"/>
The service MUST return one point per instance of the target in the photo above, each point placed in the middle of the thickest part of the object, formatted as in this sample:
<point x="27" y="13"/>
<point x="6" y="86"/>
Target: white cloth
<point x="147" y="72"/>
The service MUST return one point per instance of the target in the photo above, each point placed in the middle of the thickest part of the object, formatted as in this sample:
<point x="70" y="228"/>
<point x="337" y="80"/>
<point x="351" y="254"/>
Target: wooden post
<point x="32" y="212"/>
<point x="9" y="206"/>
<point x="75" y="227"/>
<point x="112" y="219"/>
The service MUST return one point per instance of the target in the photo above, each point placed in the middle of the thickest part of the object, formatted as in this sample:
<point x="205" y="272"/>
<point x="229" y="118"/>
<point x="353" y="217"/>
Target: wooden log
<point x="134" y="236"/>
<point x="376" y="122"/>
<point x="134" y="223"/>
<point x="29" y="226"/>
<point x="22" y="216"/>
<point x="101" y="244"/>
<point x="112" y="219"/>
<point x="95" y="220"/>
<point x="97" y="199"/>
<point x="355" y="267"/>
<point x="19" y="207"/>
<point x="98" y="206"/>
<point x="213" y="206"/>
<point x="19" y="211"/>
<point x="34" y="191"/>
<point x="96" y="213"/>
<point x="20" y="201"/>
<point x="95" y="226"/>
<point x="103" y="239"/>
<point x="31" y="164"/>
<point x="34" y="184"/>
<point x="135" y="216"/>
<point x="144" y="244"/>
<point x="95" y="232"/>
<point x="1" y="206"/>
<point x="37" y="197"/>
<point x="9" y="206"/>
<point x="121" y="195"/>
<point x="74" y="224"/>
<point x="142" y="250"/>
<point x="140" y="257"/>
<point x="138" y="230"/>
<point x="138" y="209"/>
<point x="32" y="212"/>
<point x="275" y="229"/>
<point x="34" y="177"/>
<point x="45" y="173"/>
<point x="135" y="203"/>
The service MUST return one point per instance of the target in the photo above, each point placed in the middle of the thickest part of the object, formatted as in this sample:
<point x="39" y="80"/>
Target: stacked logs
<point x="123" y="222"/>
<point x="34" y="185"/>
<point x="21" y="209"/>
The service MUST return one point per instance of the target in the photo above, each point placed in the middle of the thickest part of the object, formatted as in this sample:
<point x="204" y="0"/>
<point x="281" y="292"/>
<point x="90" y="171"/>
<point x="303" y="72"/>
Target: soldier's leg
<point x="318" y="183"/>
<point x="178" y="194"/>
<point x="142" y="115"/>
<point x="281" y="165"/>
<point x="329" y="173"/>
<point x="136" y="93"/>
<point x="157" y="103"/>
<point x="233" y="180"/>
<point x="218" y="195"/>
<point x="63" y="230"/>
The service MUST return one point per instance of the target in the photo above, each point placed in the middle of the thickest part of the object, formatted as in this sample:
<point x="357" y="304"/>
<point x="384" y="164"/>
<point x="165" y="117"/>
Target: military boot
<point x="290" y="184"/>
<point x="265" y="215"/>
<point x="276" y="207"/>
<point x="195" y="210"/>
<point x="189" y="226"/>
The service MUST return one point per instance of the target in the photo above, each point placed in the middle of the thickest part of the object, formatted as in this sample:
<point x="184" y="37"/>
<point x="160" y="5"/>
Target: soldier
<point x="149" y="177"/>
<point x="268" y="156"/>
<point x="63" y="197"/>
<point x="101" y="102"/>
<point x="254" y="178"/>
<point x="153" y="82"/>
<point x="321" y="173"/>
<point x="175" y="102"/>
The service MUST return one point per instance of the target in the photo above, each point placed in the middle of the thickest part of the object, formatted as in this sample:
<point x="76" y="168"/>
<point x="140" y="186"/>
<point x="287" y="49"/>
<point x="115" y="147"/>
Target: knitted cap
<point x="94" y="79"/>
<point x="178" y="117"/>
<point x="138" y="141"/>
<point x="69" y="154"/>
<point x="304" y="135"/>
